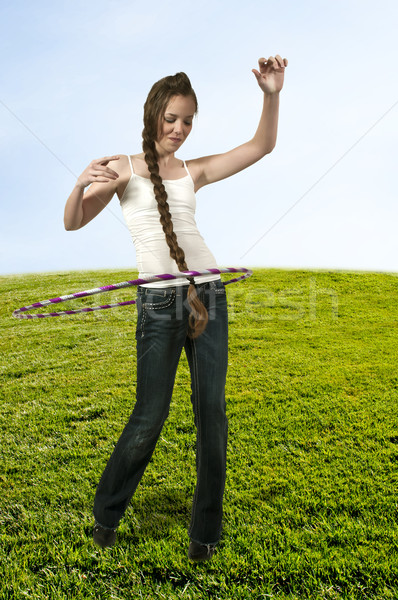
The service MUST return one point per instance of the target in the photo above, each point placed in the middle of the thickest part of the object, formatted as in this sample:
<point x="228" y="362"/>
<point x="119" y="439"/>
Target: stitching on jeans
<point x="154" y="306"/>
<point x="198" y="426"/>
<point x="158" y="305"/>
<point x="140" y="317"/>
<point x="143" y="320"/>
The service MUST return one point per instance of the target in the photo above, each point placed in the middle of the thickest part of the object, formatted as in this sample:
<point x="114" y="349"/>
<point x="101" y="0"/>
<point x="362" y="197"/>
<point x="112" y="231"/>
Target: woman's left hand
<point x="271" y="75"/>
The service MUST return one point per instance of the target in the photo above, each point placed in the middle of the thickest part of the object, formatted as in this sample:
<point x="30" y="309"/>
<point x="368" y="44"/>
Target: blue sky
<point x="75" y="76"/>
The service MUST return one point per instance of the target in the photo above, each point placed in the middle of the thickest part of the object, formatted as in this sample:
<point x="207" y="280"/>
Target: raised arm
<point x="219" y="166"/>
<point x="82" y="207"/>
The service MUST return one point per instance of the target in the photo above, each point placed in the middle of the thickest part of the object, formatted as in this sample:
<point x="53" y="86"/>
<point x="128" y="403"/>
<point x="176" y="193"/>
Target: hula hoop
<point x="117" y="286"/>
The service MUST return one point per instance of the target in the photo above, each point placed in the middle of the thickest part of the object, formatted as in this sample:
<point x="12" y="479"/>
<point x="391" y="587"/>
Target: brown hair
<point x="154" y="109"/>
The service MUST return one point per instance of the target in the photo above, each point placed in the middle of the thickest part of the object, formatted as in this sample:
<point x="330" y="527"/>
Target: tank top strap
<point x="186" y="168"/>
<point x="131" y="166"/>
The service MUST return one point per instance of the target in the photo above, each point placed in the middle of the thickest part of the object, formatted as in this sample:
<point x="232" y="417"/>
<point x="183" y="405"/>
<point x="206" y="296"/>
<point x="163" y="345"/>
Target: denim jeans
<point x="161" y="334"/>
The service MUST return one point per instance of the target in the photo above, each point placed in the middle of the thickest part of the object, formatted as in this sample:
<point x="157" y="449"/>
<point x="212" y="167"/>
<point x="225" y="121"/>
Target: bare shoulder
<point x="195" y="167"/>
<point x="122" y="168"/>
<point x="139" y="165"/>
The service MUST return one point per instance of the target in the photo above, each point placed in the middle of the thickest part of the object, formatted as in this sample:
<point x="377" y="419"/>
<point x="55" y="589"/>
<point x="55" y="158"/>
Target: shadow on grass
<point x="153" y="514"/>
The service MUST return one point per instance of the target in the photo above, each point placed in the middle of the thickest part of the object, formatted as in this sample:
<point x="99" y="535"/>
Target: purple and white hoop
<point x="117" y="286"/>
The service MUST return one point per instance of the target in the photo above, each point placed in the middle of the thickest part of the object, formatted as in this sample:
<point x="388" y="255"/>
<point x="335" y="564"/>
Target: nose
<point x="178" y="126"/>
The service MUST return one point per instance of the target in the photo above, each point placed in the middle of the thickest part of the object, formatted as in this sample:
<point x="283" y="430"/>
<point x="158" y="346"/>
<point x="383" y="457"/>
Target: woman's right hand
<point x="97" y="170"/>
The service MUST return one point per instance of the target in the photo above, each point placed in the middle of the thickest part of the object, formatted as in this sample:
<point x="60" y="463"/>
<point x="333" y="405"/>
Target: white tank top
<point x="140" y="211"/>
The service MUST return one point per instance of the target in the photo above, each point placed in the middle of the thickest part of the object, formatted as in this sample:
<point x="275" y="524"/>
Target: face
<point x="176" y="124"/>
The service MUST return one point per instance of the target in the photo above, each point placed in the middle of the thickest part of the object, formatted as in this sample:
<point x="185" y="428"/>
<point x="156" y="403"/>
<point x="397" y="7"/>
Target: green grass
<point x="311" y="494"/>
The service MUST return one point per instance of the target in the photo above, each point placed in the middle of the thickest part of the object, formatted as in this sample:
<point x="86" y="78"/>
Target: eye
<point x="189" y="123"/>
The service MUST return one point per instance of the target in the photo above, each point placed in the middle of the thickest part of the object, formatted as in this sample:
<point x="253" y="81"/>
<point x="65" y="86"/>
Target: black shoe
<point x="200" y="552"/>
<point x="103" y="537"/>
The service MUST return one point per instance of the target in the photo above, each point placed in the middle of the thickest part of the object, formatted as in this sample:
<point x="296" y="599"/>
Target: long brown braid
<point x="154" y="108"/>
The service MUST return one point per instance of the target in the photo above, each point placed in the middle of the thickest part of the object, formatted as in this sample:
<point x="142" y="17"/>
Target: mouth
<point x="176" y="140"/>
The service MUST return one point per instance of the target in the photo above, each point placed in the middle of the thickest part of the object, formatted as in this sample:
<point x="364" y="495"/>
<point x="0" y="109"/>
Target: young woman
<point x="157" y="195"/>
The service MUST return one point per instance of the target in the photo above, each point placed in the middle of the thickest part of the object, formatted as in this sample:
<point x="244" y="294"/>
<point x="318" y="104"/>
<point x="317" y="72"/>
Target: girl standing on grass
<point x="157" y="195"/>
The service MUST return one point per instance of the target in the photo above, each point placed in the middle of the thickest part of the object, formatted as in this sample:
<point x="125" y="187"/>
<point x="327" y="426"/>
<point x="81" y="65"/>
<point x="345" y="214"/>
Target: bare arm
<point x="219" y="166"/>
<point x="82" y="207"/>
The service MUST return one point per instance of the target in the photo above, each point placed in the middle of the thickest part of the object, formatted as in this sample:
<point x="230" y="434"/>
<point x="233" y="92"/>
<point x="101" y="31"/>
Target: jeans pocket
<point x="158" y="299"/>
<point x="156" y="305"/>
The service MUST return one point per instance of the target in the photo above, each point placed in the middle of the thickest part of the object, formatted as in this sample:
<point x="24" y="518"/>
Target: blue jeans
<point x="161" y="334"/>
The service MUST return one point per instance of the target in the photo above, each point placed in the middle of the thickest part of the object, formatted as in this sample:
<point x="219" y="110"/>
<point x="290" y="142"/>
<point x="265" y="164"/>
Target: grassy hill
<point x="311" y="493"/>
